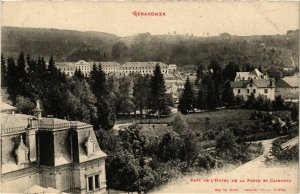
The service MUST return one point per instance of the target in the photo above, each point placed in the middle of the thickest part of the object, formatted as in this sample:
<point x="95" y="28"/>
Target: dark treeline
<point x="98" y="99"/>
<point x="261" y="50"/>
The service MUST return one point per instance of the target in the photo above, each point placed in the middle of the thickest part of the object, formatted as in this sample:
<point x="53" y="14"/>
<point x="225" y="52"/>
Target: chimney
<point x="37" y="112"/>
<point x="31" y="140"/>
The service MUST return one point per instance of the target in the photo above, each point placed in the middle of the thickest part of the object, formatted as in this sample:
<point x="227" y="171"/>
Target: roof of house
<point x="65" y="65"/>
<point x="255" y="72"/>
<point x="9" y="121"/>
<point x="6" y="107"/>
<point x="282" y="84"/>
<point x="110" y="64"/>
<point x="292" y="81"/>
<point x="144" y="64"/>
<point x="260" y="83"/>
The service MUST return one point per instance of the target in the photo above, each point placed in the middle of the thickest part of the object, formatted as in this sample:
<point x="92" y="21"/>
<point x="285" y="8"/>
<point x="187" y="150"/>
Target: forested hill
<point x="183" y="50"/>
<point x="47" y="42"/>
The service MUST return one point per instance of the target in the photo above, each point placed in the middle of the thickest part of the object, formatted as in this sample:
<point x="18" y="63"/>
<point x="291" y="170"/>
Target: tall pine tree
<point x="158" y="98"/>
<point x="187" y="98"/>
<point x="3" y="71"/>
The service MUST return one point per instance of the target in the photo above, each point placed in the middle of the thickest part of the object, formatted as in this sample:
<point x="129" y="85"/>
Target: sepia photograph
<point x="156" y="97"/>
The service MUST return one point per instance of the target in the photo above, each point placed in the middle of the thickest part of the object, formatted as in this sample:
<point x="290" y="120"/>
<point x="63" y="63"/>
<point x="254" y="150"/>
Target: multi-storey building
<point x="143" y="67"/>
<point x="113" y="67"/>
<point x="254" y="82"/>
<point x="263" y="87"/>
<point x="56" y="154"/>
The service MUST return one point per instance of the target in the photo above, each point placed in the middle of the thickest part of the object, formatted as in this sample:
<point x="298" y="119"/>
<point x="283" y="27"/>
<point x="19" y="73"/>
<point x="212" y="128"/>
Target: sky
<point x="197" y="18"/>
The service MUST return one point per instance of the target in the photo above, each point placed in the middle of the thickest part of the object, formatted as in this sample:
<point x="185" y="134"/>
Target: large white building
<point x="262" y="87"/>
<point x="254" y="82"/>
<point x="113" y="67"/>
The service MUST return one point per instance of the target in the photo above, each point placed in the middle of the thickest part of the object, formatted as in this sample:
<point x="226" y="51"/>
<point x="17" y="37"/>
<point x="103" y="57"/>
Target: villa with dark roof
<point x="263" y="87"/>
<point x="49" y="153"/>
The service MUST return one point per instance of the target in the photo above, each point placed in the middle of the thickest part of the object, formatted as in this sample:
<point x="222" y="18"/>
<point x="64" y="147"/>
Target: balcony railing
<point x="71" y="124"/>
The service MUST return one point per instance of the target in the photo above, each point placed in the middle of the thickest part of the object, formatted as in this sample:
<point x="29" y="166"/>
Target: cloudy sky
<point x="239" y="18"/>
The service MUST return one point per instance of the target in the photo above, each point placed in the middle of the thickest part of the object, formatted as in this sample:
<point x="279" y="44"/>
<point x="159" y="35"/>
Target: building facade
<point x="143" y="68"/>
<point x="264" y="88"/>
<point x="50" y="153"/>
<point x="113" y="67"/>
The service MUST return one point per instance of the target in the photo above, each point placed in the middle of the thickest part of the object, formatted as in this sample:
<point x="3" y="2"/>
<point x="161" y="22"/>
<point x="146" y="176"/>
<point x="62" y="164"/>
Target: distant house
<point x="257" y="87"/>
<point x="255" y="74"/>
<point x="288" y="88"/>
<point x="49" y="155"/>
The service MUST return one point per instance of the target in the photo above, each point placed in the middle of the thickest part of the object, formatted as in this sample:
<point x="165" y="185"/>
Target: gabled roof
<point x="238" y="84"/>
<point x="282" y="84"/>
<point x="264" y="83"/>
<point x="292" y="81"/>
<point x="260" y="83"/>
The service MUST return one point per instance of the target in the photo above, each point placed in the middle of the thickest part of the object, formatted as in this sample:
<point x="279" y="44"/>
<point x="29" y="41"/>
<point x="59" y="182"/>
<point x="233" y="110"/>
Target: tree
<point x="125" y="98"/>
<point x="216" y="79"/>
<point x="3" y="71"/>
<point x="170" y="147"/>
<point x="106" y="114"/>
<point x="201" y="98"/>
<point x="12" y="80"/>
<point x="278" y="103"/>
<point x="294" y="113"/>
<point x="179" y="124"/>
<point x="158" y="100"/>
<point x="227" y="95"/>
<point x="187" y="98"/>
<point x="200" y="74"/>
<point x="211" y="96"/>
<point x="24" y="104"/>
<point x="21" y="75"/>
<point x="78" y="74"/>
<point x="230" y="71"/>
<point x="226" y="142"/>
<point x="141" y="91"/>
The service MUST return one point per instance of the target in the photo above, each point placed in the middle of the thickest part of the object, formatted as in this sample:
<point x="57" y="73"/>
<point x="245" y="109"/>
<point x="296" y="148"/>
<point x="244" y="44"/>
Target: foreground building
<point x="39" y="152"/>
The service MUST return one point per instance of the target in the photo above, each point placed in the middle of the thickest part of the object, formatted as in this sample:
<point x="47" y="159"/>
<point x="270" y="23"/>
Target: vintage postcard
<point x="149" y="97"/>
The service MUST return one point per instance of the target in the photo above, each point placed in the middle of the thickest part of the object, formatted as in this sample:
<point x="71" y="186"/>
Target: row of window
<point x="254" y="91"/>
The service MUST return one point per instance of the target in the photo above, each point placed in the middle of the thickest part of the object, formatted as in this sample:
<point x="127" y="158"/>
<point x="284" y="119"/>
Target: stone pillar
<point x="31" y="143"/>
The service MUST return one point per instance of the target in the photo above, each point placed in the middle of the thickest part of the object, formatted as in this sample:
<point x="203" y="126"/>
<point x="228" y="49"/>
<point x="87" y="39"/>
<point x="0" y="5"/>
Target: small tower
<point x="37" y="112"/>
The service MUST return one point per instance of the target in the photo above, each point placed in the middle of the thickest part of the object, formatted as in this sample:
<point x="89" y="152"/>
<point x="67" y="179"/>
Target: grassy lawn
<point x="198" y="121"/>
